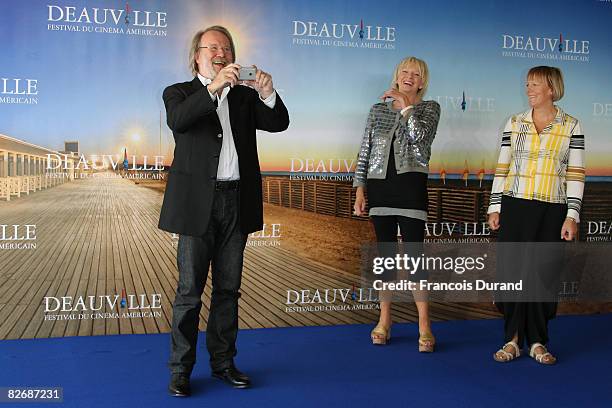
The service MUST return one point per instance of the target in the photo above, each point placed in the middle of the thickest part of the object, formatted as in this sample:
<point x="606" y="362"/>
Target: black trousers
<point x="529" y="221"/>
<point x="222" y="245"/>
<point x="385" y="226"/>
<point x="412" y="232"/>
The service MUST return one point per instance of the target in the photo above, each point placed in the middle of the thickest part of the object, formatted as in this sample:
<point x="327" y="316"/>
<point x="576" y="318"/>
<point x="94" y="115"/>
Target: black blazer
<point x="192" y="117"/>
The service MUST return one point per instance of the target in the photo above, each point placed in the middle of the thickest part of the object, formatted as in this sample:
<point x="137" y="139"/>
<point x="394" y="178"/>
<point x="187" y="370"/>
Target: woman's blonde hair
<point x="552" y="76"/>
<point x="195" y="46"/>
<point x="423" y="70"/>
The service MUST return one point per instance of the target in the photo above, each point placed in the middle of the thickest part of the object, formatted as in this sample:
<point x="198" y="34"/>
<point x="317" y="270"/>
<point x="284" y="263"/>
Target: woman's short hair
<point x="195" y="45"/>
<point x="423" y="70"/>
<point x="552" y="76"/>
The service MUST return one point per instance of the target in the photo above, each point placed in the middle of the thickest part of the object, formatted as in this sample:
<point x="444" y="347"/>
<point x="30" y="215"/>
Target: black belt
<point x="225" y="185"/>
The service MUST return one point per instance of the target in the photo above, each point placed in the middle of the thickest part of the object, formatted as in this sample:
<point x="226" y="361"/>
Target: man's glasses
<point x="216" y="48"/>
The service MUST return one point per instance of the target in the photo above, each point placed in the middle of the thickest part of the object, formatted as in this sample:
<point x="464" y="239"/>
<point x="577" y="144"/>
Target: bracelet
<point x="406" y="109"/>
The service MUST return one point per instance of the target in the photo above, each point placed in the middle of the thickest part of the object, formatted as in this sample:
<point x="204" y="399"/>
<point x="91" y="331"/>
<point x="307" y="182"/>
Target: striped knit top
<point x="548" y="166"/>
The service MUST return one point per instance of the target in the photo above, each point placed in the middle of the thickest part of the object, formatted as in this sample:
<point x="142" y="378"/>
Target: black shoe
<point x="179" y="385"/>
<point x="233" y="377"/>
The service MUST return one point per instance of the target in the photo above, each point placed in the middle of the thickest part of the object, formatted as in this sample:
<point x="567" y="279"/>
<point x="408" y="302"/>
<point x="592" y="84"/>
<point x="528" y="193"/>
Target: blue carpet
<point x="328" y="367"/>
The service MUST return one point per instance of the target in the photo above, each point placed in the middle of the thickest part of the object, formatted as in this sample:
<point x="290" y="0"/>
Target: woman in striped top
<point x="536" y="197"/>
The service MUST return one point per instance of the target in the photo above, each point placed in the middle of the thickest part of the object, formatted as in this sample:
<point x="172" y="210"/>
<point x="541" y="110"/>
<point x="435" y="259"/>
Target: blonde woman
<point x="393" y="164"/>
<point x="536" y="197"/>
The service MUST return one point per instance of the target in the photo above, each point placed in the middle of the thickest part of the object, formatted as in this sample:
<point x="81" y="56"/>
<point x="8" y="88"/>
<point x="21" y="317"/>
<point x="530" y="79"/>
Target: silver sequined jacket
<point x="414" y="132"/>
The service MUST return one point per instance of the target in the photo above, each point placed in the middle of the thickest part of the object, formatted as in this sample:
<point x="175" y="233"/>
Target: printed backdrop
<point x="84" y="148"/>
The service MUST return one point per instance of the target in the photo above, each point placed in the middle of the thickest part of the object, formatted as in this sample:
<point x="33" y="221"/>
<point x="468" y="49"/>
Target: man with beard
<point x="213" y="198"/>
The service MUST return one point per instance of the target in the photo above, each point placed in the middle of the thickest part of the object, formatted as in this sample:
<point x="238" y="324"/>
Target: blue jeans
<point x="222" y="245"/>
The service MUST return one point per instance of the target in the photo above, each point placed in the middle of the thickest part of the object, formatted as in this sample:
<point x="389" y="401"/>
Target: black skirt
<point x="405" y="191"/>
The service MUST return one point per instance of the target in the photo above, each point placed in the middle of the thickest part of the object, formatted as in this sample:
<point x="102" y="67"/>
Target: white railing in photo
<point x="14" y="187"/>
<point x="4" y="188"/>
<point x="23" y="185"/>
<point x="26" y="168"/>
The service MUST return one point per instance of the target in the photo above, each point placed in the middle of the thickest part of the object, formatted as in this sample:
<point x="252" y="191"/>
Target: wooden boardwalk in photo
<point x="99" y="236"/>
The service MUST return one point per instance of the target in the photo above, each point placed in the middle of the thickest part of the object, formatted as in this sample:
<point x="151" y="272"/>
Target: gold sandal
<point x="543" y="358"/>
<point x="380" y="335"/>
<point x="503" y="356"/>
<point x="427" y="342"/>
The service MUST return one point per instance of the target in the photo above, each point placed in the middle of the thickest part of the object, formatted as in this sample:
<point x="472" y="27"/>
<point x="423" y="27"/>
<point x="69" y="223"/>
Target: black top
<point x="405" y="191"/>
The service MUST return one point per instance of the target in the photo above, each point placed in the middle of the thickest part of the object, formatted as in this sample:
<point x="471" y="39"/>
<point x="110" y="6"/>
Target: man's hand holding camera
<point x="230" y="74"/>
<point x="262" y="83"/>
